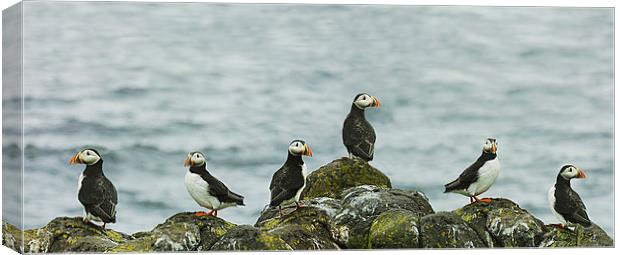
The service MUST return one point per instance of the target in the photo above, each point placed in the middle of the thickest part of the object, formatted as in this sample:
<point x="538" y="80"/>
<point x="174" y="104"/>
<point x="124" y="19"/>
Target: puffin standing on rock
<point x="95" y="192"/>
<point x="290" y="180"/>
<point x="479" y="176"/>
<point x="357" y="133"/>
<point x="206" y="190"/>
<point x="565" y="203"/>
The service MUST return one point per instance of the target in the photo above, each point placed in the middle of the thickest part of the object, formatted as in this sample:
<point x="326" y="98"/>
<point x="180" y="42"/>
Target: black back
<point x="216" y="187"/>
<point x="569" y="204"/>
<point x="358" y="135"/>
<point x="97" y="194"/>
<point x="470" y="174"/>
<point x="287" y="180"/>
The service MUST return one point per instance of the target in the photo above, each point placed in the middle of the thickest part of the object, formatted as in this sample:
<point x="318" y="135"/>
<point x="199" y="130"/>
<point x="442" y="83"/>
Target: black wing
<point x="571" y="207"/>
<point x="219" y="190"/>
<point x="285" y="185"/>
<point x="359" y="138"/>
<point x="99" y="198"/>
<point x="469" y="176"/>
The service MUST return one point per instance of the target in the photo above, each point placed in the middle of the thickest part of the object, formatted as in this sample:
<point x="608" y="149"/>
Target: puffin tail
<point x="237" y="198"/>
<point x="451" y="186"/>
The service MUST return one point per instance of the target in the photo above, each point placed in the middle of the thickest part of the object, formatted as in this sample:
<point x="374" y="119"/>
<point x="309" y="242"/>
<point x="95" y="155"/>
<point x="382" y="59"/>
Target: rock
<point x="395" y="229"/>
<point x="503" y="223"/>
<point x="66" y="234"/>
<point x="246" y="237"/>
<point x="12" y="237"/>
<point x="361" y="205"/>
<point x="331" y="179"/>
<point x="181" y="232"/>
<point x="306" y="228"/>
<point x="592" y="236"/>
<point x="447" y="230"/>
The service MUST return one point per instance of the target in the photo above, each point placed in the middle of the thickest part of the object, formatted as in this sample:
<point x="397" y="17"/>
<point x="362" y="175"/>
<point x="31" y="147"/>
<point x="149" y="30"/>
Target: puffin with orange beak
<point x="358" y="135"/>
<point x="479" y="176"/>
<point x="205" y="189"/>
<point x="290" y="180"/>
<point x="565" y="203"/>
<point x="95" y="192"/>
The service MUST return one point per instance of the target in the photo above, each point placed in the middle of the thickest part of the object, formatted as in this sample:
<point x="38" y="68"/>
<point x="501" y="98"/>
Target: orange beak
<point x="375" y="102"/>
<point x="307" y="151"/>
<point x="581" y="174"/>
<point x="494" y="148"/>
<point x="188" y="161"/>
<point x="75" y="159"/>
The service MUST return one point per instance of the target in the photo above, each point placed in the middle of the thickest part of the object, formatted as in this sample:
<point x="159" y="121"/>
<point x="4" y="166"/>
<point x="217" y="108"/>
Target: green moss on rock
<point x="12" y="237"/>
<point x="592" y="236"/>
<point x="502" y="223"/>
<point x="394" y="229"/>
<point x="447" y="230"/>
<point x="362" y="204"/>
<point x="331" y="179"/>
<point x="246" y="237"/>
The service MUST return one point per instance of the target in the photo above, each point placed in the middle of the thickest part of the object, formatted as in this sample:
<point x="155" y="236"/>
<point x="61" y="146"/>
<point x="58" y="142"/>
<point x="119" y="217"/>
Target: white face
<point x="89" y="157"/>
<point x="490" y="146"/>
<point x="363" y="101"/>
<point x="570" y="172"/>
<point x="296" y="148"/>
<point x="198" y="159"/>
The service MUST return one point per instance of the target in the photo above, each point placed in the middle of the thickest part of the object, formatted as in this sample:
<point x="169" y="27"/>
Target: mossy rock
<point x="395" y="229"/>
<point x="503" y="223"/>
<point x="246" y="237"/>
<point x="305" y="228"/>
<point x="447" y="230"/>
<point x="12" y="237"/>
<point x="270" y="217"/>
<point x="331" y="179"/>
<point x="66" y="234"/>
<point x="182" y="232"/>
<point x="592" y="236"/>
<point x="362" y="204"/>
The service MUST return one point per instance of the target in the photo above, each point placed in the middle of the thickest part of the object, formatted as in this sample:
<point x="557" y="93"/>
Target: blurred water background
<point x="147" y="83"/>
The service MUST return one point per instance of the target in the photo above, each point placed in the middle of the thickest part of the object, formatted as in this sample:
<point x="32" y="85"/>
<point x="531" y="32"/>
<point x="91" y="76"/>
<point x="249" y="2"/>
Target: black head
<point x="490" y="146"/>
<point x="298" y="148"/>
<point x="363" y="100"/>
<point x="87" y="156"/>
<point x="195" y="158"/>
<point x="569" y="172"/>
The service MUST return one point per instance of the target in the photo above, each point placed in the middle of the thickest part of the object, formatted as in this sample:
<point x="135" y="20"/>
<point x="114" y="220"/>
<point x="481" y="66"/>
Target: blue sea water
<point x="147" y="83"/>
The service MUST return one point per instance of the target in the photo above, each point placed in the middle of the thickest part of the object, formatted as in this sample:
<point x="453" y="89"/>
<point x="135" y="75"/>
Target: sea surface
<point x="147" y="83"/>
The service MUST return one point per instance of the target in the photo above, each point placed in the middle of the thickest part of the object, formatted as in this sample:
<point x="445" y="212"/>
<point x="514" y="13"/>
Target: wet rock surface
<point x="348" y="205"/>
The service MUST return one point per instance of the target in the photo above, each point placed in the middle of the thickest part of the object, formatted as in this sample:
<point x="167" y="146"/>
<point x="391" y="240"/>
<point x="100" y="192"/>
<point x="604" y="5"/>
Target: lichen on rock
<point x="592" y="236"/>
<point x="331" y="179"/>
<point x="396" y="228"/>
<point x="246" y="237"/>
<point x="447" y="230"/>
<point x="502" y="223"/>
<point x="362" y="204"/>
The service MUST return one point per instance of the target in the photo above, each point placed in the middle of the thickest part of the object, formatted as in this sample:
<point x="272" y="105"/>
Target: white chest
<point x="487" y="174"/>
<point x="198" y="189"/>
<point x="551" y="200"/>
<point x="79" y="184"/>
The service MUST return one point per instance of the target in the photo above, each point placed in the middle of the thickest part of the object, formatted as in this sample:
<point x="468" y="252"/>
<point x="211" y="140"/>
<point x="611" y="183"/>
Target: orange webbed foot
<point x="200" y="214"/>
<point x="485" y="200"/>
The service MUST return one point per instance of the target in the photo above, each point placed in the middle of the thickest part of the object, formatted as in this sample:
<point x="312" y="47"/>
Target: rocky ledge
<point x="348" y="205"/>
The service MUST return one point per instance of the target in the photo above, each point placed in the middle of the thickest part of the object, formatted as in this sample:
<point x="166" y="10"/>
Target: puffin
<point x="95" y="191"/>
<point x="565" y="203"/>
<point x="205" y="189"/>
<point x="479" y="176"/>
<point x="290" y="180"/>
<point x="358" y="135"/>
